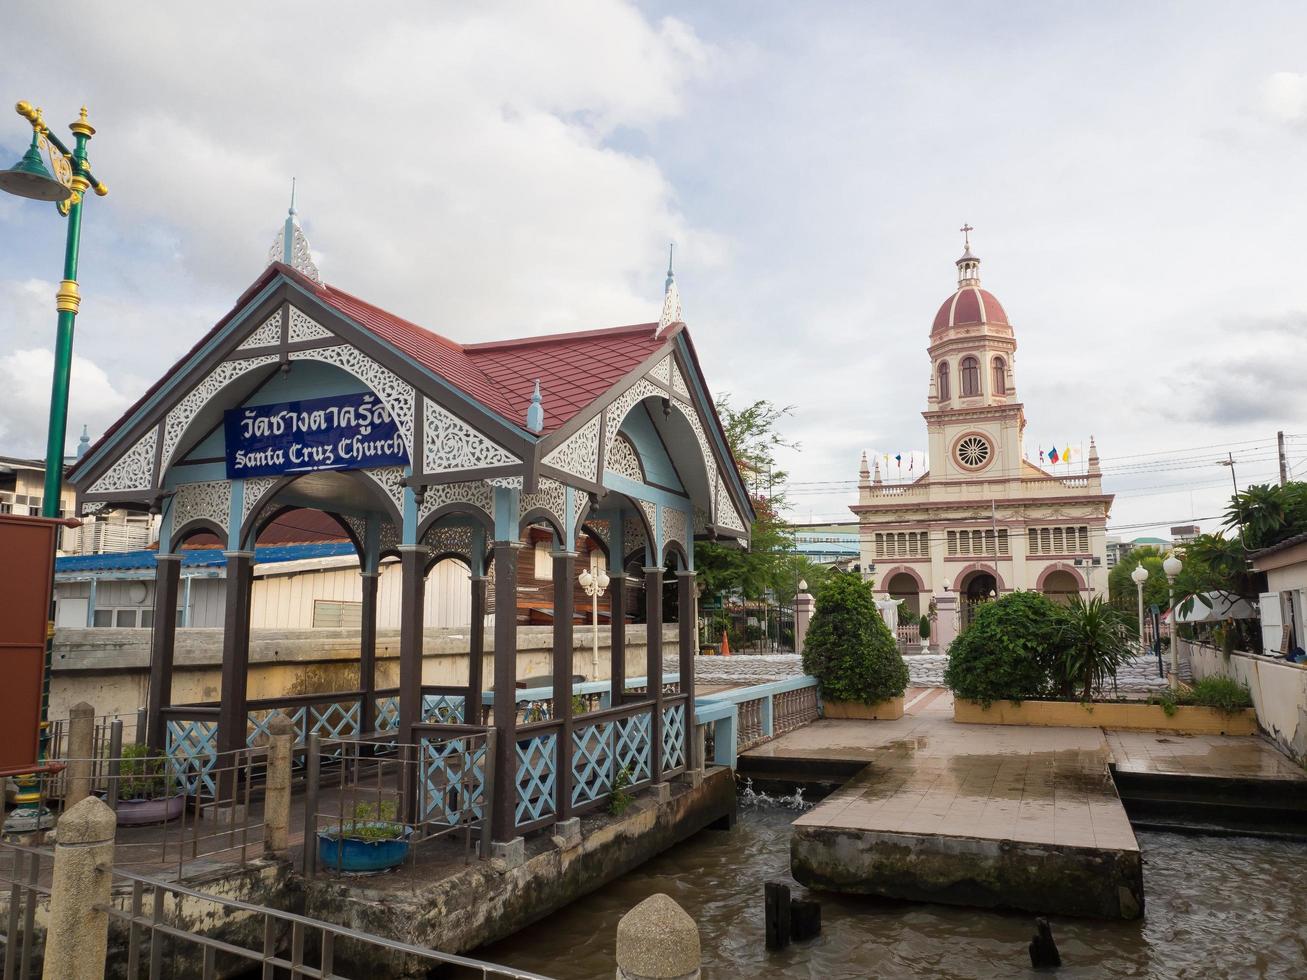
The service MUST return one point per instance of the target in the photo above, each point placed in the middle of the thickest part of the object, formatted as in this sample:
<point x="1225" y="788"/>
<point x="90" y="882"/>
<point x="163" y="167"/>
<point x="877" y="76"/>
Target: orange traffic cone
<point x="726" y="644"/>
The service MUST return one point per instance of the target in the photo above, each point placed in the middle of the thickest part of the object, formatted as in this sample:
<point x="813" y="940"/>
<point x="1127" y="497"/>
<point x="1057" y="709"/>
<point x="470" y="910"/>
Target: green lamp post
<point x="66" y="188"/>
<point x="72" y="177"/>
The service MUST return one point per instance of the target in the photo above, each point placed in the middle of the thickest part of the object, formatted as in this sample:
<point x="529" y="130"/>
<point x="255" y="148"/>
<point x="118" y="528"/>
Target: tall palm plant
<point x="1094" y="642"/>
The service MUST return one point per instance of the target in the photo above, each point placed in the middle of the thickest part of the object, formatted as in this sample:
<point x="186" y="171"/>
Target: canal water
<point x="1217" y="907"/>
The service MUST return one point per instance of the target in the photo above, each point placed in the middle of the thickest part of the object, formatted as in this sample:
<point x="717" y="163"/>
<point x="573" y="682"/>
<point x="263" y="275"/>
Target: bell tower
<point x="973" y="418"/>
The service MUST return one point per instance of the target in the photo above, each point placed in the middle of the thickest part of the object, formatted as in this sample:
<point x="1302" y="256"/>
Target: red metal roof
<point x="573" y="368"/>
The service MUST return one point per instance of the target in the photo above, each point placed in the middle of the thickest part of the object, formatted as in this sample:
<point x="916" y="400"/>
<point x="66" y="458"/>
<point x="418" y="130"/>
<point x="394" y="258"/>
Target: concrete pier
<point x="989" y="815"/>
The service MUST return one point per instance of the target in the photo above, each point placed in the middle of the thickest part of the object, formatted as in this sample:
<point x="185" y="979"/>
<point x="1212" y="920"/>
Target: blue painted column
<point x="503" y="824"/>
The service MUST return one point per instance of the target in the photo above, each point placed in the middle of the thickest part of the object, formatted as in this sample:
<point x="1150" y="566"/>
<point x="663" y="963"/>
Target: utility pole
<point x="1284" y="463"/>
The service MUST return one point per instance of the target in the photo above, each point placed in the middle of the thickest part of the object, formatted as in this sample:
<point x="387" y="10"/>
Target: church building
<point x="983" y="520"/>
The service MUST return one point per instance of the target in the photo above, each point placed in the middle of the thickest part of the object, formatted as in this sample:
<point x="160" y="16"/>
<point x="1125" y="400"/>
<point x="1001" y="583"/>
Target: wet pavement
<point x="1233" y="756"/>
<point x="930" y="776"/>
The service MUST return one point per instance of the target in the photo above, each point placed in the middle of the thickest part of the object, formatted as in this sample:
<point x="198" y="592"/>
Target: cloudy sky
<point x="1133" y="171"/>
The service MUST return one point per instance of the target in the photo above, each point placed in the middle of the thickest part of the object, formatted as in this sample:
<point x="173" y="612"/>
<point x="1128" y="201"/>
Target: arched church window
<point x="1000" y="376"/>
<point x="943" y="381"/>
<point x="970" y="368"/>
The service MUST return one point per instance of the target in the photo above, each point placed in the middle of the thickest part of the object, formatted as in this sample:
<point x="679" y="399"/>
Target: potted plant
<point x="925" y="633"/>
<point x="852" y="653"/>
<point x="145" y="791"/>
<point x="370" y="841"/>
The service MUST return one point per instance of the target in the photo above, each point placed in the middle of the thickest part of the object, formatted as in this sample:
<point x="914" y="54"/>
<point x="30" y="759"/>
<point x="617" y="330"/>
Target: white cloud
<point x="1285" y="95"/>
<point x="25" y="377"/>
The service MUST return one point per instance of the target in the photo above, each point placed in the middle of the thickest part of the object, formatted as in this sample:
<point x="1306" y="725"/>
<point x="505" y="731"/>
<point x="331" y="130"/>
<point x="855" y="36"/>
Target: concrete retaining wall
<point x="109" y="668"/>
<point x="1278" y="688"/>
<point x="480" y="903"/>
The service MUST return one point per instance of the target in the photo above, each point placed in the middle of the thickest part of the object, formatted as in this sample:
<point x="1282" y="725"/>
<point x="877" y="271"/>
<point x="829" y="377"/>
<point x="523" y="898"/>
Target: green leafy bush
<point x="141" y="774"/>
<point x="925" y="628"/>
<point x="849" y="649"/>
<point x="1223" y="693"/>
<point x="1007" y="651"/>
<point x="1093" y="641"/>
<point x="621" y="797"/>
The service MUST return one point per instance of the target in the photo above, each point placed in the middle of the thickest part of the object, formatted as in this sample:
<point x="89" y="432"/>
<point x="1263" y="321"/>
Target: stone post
<point x="77" y="936"/>
<point x="657" y="940"/>
<point x="946" y="622"/>
<point x="276" y="799"/>
<point x="804" y="604"/>
<point x="81" y="746"/>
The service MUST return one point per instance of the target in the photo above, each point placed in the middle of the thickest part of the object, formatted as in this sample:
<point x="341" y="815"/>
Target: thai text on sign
<point x="342" y="432"/>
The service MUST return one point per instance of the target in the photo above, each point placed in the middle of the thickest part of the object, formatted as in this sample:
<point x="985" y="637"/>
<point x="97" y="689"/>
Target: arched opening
<point x="902" y="588"/>
<point x="974" y="591"/>
<point x="943" y="381"/>
<point x="970" y="369"/>
<point x="1060" y="585"/>
<point x="1000" y="376"/>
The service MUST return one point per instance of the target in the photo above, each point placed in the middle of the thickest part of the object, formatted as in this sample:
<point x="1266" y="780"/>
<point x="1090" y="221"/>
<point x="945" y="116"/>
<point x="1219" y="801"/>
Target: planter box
<point x="353" y="856"/>
<point x="134" y="813"/>
<point x="1189" y="719"/>
<point x="890" y="710"/>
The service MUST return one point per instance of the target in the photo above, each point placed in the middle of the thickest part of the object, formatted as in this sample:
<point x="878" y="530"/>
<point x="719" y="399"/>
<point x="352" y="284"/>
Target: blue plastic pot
<point x="354" y="856"/>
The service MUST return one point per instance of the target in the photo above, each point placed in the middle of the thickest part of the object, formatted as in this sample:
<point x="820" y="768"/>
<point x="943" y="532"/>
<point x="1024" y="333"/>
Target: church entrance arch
<point x="975" y="590"/>
<point x="903" y="588"/>
<point x="1060" y="585"/>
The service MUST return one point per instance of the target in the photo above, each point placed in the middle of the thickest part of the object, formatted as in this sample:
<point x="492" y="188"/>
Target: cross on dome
<point x="291" y="246"/>
<point x="968" y="265"/>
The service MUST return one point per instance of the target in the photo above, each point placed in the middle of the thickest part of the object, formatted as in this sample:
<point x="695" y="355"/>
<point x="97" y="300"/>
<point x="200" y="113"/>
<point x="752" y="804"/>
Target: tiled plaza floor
<point x="928" y="775"/>
<point x="1245" y="757"/>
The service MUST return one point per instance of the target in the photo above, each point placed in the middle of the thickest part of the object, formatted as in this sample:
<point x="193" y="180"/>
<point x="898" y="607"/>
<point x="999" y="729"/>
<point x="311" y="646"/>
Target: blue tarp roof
<point x="124" y="561"/>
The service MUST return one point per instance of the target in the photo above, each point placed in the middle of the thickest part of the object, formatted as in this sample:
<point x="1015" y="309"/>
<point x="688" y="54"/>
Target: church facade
<point x="983" y="520"/>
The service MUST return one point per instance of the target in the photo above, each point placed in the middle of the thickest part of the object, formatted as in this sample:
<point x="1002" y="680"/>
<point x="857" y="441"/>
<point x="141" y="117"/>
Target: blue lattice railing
<point x="673" y="756"/>
<point x="453" y="779"/>
<point x="537" y="774"/>
<point x="633" y="746"/>
<point x="593" y="753"/>
<point x="192" y="745"/>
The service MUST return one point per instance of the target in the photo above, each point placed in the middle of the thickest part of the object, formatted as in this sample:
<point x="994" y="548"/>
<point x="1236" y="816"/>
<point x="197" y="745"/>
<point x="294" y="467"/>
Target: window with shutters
<point x="970" y="369"/>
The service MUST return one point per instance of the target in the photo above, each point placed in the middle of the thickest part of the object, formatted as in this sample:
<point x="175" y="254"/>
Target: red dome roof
<point x="970" y="306"/>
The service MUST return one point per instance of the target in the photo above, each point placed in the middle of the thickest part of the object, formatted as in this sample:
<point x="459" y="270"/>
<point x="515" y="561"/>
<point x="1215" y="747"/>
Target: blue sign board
<point x="343" y="432"/>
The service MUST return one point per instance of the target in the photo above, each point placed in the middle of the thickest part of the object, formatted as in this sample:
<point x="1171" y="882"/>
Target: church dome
<point x="970" y="306"/>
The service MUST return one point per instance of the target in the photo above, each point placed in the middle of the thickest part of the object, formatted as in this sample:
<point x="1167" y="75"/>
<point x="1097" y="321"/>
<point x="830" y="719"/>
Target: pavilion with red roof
<point x="306" y="397"/>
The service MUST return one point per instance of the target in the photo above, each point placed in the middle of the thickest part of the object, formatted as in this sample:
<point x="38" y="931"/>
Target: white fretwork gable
<point x="304" y="328"/>
<point x="210" y="501"/>
<point x="134" y="469"/>
<point x="268" y="334"/>
<point x="396" y="393"/>
<point x="450" y="444"/>
<point x="579" y="455"/>
<point x="182" y="414"/>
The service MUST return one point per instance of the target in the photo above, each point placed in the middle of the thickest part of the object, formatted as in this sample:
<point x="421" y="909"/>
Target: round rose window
<point x="973" y="452"/>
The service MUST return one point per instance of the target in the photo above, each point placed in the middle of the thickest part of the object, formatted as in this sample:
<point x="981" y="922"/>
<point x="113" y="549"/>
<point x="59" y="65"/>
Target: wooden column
<point x="233" y="716"/>
<point x="617" y="652"/>
<point x="653" y="664"/>
<point x="167" y="572"/>
<point x="564" y="566"/>
<point x="476" y="652"/>
<point x="687" y="635"/>
<point x="412" y="560"/>
<point x="368" y="653"/>
<point x="503" y="824"/>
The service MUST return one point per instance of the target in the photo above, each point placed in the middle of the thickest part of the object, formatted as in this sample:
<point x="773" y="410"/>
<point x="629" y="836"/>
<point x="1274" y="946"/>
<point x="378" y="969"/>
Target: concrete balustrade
<point x="80" y="753"/>
<point x="77" y="934"/>
<point x="276" y="797"/>
<point x="657" y="940"/>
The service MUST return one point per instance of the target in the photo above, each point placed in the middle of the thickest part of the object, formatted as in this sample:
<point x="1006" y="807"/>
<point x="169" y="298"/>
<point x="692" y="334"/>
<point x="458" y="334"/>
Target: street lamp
<point x="1172" y="567"/>
<point x="1139" y="576"/>
<point x="66" y="188"/>
<point x="72" y="178"/>
<point x="594" y="585"/>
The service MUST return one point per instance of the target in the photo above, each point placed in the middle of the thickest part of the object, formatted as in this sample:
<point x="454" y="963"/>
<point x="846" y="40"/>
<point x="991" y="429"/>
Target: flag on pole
<point x="1041" y="454"/>
<point x="1066" y="456"/>
<point x="912" y="461"/>
<point x="1052" y="455"/>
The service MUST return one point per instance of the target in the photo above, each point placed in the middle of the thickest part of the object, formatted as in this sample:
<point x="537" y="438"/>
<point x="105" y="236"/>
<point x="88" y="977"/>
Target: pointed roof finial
<point x="84" y="443"/>
<point x="968" y="265"/>
<point x="535" y="413"/>
<point x="291" y="246"/>
<point x="966" y="230"/>
<point x="671" y="296"/>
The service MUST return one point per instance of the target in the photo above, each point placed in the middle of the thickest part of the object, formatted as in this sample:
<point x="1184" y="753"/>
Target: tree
<point x="770" y="565"/>
<point x="849" y="649"/>
<point x="1093" y="641"/>
<point x="1121" y="587"/>
<point x="1266" y="514"/>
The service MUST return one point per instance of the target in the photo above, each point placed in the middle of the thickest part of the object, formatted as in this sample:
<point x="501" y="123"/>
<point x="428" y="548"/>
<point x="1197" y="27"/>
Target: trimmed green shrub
<point x="1223" y="693"/>
<point x="1007" y="651"/>
<point x="849" y="649"/>
<point x="925" y="627"/>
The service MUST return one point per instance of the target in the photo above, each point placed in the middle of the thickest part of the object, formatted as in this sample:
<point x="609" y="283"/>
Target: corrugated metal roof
<point x="124" y="561"/>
